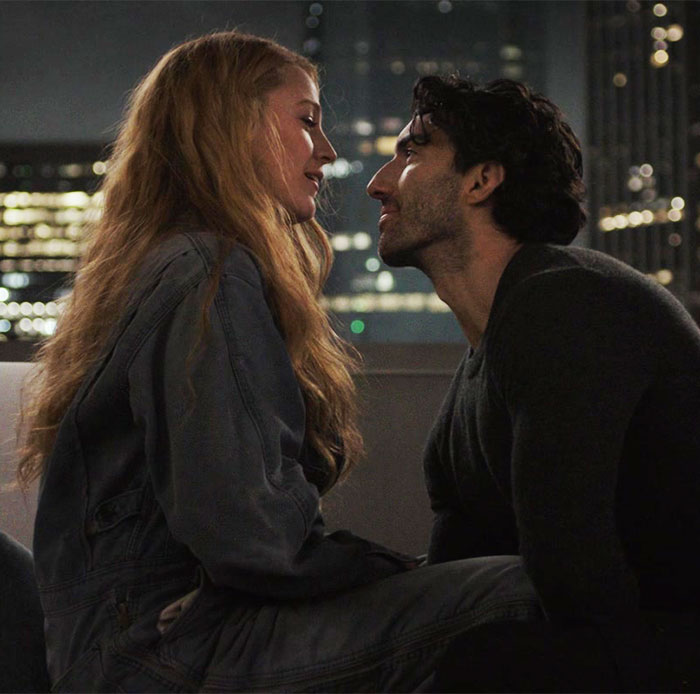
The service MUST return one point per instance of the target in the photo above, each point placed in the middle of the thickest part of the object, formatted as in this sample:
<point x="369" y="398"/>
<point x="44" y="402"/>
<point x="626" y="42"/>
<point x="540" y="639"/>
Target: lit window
<point x="635" y="184"/>
<point x="398" y="67"/>
<point x="362" y="303"/>
<point x="607" y="224"/>
<point x="363" y="127"/>
<point x="675" y="32"/>
<point x="635" y="219"/>
<point x="510" y="52"/>
<point x="664" y="277"/>
<point x="659" y="58"/>
<point x="385" y="145"/>
<point x="13" y="217"/>
<point x="340" y="242"/>
<point x="70" y="170"/>
<point x="385" y="281"/>
<point x="341" y="168"/>
<point x="362" y="240"/>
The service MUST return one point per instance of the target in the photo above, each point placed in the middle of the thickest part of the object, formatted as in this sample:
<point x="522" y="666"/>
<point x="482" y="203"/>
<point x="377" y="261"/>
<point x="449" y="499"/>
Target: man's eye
<point x="409" y="152"/>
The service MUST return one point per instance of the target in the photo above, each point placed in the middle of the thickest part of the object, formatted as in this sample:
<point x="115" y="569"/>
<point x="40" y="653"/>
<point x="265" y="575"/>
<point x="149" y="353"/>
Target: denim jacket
<point x="168" y="466"/>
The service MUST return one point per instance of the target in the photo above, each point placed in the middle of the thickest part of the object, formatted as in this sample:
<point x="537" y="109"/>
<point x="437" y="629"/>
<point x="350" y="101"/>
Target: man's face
<point x="419" y="190"/>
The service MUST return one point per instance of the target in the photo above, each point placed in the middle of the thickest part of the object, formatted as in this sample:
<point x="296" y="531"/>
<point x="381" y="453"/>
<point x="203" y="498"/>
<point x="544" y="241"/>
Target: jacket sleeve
<point x="572" y="365"/>
<point x="223" y="429"/>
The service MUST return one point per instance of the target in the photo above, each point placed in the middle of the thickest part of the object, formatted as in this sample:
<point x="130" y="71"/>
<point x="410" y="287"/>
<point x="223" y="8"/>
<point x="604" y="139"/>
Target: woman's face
<point x="294" y="107"/>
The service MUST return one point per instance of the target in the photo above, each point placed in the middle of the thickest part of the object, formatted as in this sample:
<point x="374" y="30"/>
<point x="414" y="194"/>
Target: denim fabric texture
<point x="22" y="651"/>
<point x="182" y="466"/>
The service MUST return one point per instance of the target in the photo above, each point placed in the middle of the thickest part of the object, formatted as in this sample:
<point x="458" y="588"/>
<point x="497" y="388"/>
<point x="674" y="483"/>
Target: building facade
<point x="643" y="138"/>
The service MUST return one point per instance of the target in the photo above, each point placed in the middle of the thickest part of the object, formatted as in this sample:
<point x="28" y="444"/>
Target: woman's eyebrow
<point x="315" y="104"/>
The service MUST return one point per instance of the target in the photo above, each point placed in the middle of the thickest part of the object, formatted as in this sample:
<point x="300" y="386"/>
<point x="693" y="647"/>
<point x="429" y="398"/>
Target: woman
<point x="195" y="402"/>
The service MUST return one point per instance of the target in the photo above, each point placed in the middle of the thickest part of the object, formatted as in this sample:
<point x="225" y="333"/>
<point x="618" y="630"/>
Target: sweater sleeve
<point x="223" y="427"/>
<point x="571" y="363"/>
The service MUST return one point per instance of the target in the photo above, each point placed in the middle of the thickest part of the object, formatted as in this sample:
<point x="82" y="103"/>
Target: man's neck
<point x="469" y="287"/>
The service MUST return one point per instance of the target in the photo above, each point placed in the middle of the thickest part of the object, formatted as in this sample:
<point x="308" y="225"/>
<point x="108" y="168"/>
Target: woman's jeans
<point x="22" y="652"/>
<point x="382" y="637"/>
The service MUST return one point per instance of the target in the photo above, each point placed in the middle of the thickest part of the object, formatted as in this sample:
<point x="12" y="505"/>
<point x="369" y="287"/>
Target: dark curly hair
<point x="504" y="121"/>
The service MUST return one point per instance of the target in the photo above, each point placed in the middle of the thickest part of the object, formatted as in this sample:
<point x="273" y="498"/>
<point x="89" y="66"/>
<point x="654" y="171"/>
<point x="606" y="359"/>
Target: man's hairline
<point x="403" y="142"/>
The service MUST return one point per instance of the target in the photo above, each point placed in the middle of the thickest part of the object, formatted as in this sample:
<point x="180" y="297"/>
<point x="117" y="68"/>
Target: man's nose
<point x="377" y="188"/>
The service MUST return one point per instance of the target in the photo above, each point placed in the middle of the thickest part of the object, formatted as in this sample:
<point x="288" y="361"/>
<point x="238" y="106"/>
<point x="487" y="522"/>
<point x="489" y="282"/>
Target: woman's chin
<point x="303" y="213"/>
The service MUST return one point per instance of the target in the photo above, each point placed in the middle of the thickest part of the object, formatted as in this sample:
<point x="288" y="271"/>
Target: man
<point x="571" y="432"/>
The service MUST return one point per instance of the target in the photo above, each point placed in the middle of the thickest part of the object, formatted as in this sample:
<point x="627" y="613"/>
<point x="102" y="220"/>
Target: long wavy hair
<point x="187" y="144"/>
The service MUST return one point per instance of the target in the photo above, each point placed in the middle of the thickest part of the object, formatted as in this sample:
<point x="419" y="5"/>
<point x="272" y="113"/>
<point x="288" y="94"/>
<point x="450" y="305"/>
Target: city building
<point x="644" y="138"/>
<point x="370" y="53"/>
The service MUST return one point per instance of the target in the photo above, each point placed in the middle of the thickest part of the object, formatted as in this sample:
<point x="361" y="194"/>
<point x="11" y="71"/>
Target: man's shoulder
<point x="563" y="295"/>
<point x="561" y="263"/>
<point x="581" y="278"/>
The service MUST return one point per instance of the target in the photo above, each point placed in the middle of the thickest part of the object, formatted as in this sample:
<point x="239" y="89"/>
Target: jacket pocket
<point x="112" y="512"/>
<point x="175" y="617"/>
<point x="113" y="527"/>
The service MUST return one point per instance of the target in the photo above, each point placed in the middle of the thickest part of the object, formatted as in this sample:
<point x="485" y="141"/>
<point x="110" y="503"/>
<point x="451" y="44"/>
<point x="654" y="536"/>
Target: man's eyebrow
<point x="403" y="142"/>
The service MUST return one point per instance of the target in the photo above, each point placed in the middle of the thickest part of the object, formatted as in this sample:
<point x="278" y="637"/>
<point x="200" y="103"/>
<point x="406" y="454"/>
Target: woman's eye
<point x="309" y="121"/>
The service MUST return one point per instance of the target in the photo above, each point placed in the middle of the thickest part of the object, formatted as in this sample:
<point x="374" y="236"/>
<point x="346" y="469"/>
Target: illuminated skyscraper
<point x="370" y="55"/>
<point x="47" y="195"/>
<point x="643" y="133"/>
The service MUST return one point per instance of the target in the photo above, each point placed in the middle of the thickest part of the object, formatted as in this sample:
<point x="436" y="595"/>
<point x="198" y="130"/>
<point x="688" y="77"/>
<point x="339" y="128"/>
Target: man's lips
<point x="385" y="214"/>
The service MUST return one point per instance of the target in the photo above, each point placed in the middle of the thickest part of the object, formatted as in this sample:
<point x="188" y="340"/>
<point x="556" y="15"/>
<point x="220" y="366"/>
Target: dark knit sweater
<point x="571" y="436"/>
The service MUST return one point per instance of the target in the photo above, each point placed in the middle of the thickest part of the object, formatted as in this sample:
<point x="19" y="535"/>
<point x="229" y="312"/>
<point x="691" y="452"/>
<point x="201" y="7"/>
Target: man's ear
<point x="481" y="180"/>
